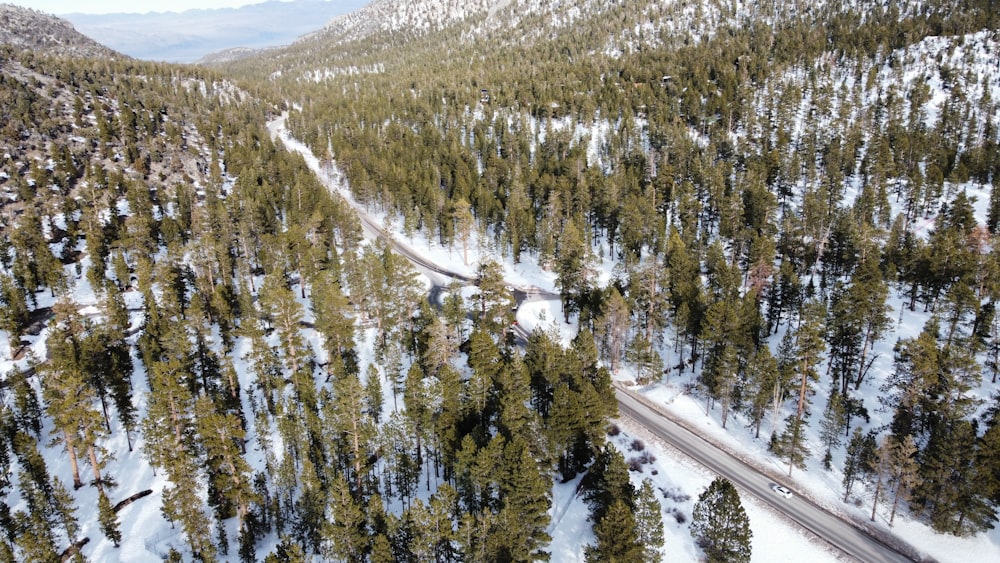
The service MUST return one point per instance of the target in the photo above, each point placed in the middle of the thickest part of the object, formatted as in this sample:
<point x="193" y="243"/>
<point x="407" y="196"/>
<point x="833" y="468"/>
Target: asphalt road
<point x="852" y="540"/>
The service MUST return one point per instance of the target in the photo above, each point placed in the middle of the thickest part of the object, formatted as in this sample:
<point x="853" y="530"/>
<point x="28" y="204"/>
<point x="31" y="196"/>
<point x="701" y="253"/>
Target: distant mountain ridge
<point x="30" y="29"/>
<point x="414" y="17"/>
<point x="191" y="35"/>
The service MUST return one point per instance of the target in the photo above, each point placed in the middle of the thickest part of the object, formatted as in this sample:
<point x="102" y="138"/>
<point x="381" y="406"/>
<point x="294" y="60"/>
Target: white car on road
<point x="781" y="490"/>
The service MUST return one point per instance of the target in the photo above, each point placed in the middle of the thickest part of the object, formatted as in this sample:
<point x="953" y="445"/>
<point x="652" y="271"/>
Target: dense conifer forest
<point x="182" y="298"/>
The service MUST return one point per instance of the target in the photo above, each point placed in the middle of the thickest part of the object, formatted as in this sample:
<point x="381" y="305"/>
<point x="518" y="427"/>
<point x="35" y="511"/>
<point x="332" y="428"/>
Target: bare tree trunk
<point x="71" y="449"/>
<point x="803" y="388"/>
<point x="895" y="502"/>
<point x="104" y="407"/>
<point x="775" y="405"/>
<point x="356" y="446"/>
<point x="96" y="467"/>
<point x="878" y="491"/>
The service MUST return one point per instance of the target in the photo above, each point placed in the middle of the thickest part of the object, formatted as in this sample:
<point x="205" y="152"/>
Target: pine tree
<point x="880" y="465"/>
<point x="649" y="522"/>
<point x="607" y="481"/>
<point x="381" y="550"/>
<point x="373" y="393"/>
<point x="182" y="505"/>
<point x="109" y="364"/>
<point x="809" y="346"/>
<point x="906" y="391"/>
<point x="573" y="268"/>
<point x="516" y="417"/>
<point x="720" y="335"/>
<point x="858" y="462"/>
<point x="791" y="443"/>
<point x="438" y="346"/>
<point x="108" y="519"/>
<point x="525" y="490"/>
<point x="454" y="311"/>
<point x="279" y="304"/>
<point x="647" y="288"/>
<point x="486" y="363"/>
<point x="762" y="387"/>
<point x="344" y="533"/>
<point x="344" y="417"/>
<point x="26" y="406"/>
<point x="988" y="459"/>
<point x="13" y="311"/>
<point x="287" y="551"/>
<point x="332" y="311"/>
<point x="168" y="426"/>
<point x="868" y="295"/>
<point x="70" y="399"/>
<point x="720" y="525"/>
<point x="949" y="493"/>
<point x="49" y="504"/>
<point x="617" y="536"/>
<point x="613" y="327"/>
<point x="648" y="364"/>
<point x="904" y="476"/>
<point x="464" y="223"/>
<point x="442" y="510"/>
<point x="220" y="435"/>
<point x="494" y="304"/>
<point x="834" y="420"/>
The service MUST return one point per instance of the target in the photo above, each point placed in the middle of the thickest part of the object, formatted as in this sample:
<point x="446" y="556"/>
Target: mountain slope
<point x="778" y="220"/>
<point x="25" y="28"/>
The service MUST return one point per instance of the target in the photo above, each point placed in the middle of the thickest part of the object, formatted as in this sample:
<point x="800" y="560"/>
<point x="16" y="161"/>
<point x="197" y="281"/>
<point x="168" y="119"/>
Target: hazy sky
<point x="135" y="6"/>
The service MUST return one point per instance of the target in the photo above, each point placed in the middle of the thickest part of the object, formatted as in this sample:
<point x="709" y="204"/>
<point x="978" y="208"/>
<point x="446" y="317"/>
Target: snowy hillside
<point x="383" y="317"/>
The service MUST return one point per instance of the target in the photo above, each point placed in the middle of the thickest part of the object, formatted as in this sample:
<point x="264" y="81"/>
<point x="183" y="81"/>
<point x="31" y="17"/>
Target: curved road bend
<point x="850" y="539"/>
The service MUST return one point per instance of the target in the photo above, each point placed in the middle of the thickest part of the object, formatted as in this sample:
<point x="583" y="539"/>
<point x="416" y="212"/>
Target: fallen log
<point x="132" y="499"/>
<point x="73" y="549"/>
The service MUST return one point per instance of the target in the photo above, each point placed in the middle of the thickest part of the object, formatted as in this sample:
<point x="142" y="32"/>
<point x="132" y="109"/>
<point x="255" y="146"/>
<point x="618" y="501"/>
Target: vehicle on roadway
<point x="781" y="490"/>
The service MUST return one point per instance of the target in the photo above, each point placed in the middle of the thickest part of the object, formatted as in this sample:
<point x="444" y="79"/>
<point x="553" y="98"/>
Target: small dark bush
<point x="613" y="430"/>
<point x="635" y="464"/>
<point x="679" y="516"/>
<point x="637" y="445"/>
<point x="675" y="495"/>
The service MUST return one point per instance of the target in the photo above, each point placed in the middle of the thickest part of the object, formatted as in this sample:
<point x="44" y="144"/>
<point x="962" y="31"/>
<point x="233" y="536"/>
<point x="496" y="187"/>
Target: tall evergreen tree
<point x="763" y="387"/>
<point x="809" y="347"/>
<point x="13" y="311"/>
<point x="834" y="420"/>
<point x="525" y="492"/>
<point x="221" y="436"/>
<point x="574" y="271"/>
<point x="649" y="522"/>
<point x="949" y="494"/>
<point x="108" y="519"/>
<point x="904" y="476"/>
<point x="344" y="533"/>
<point x="720" y="525"/>
<point x="617" y="536"/>
<point x="494" y="303"/>
<point x="70" y="398"/>
<point x="791" y="443"/>
<point x="858" y="462"/>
